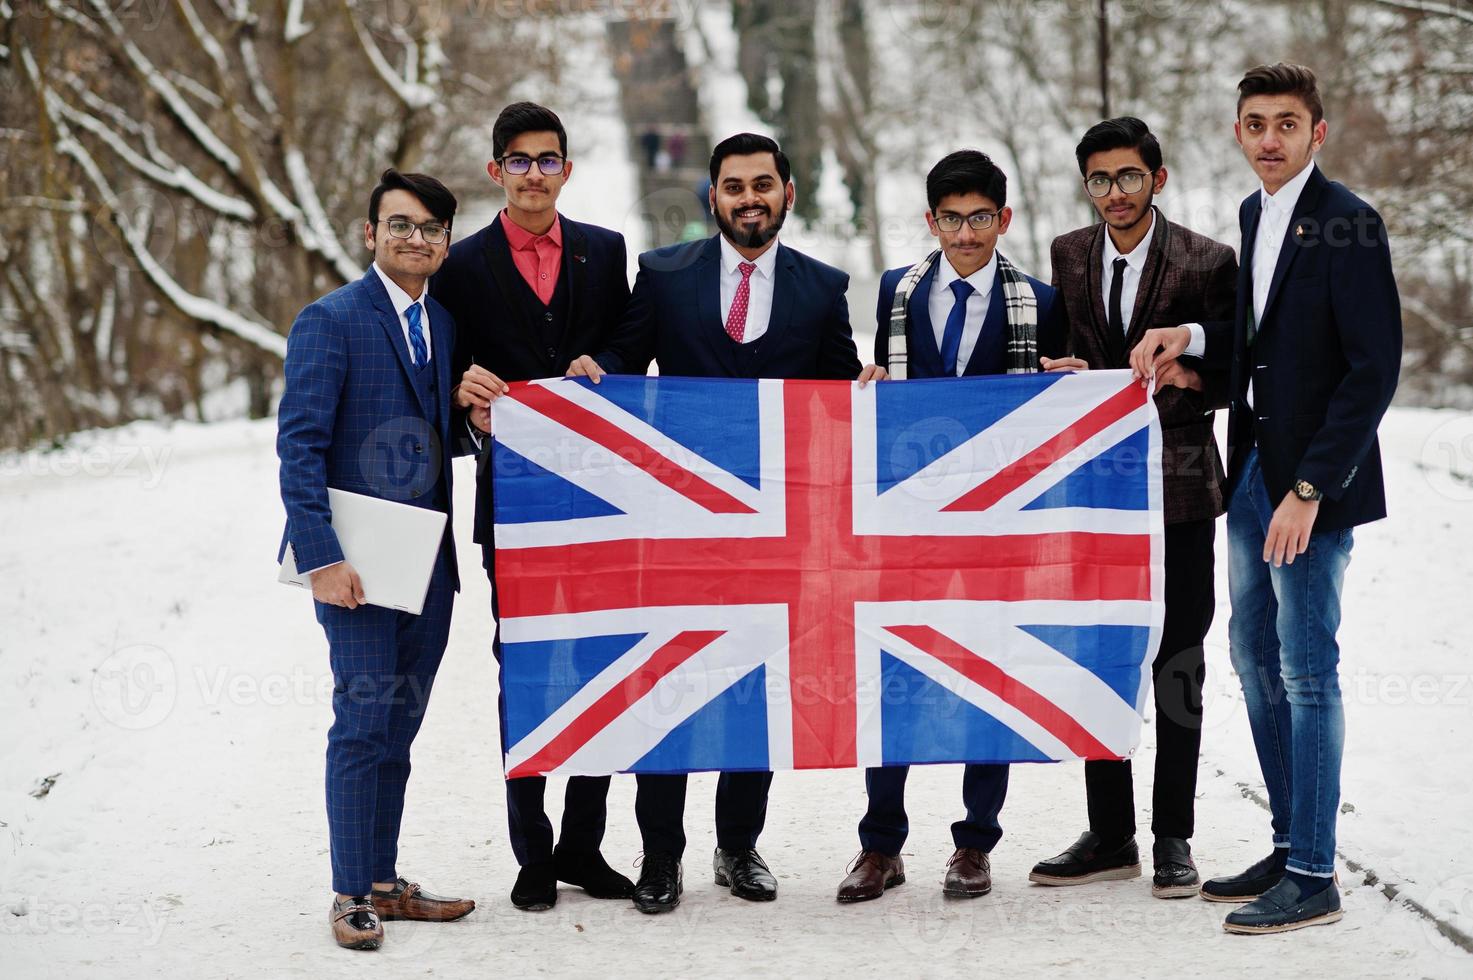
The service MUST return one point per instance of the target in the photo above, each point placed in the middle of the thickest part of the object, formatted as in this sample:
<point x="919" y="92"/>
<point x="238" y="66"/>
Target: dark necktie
<point x="417" y="347"/>
<point x="1117" y="322"/>
<point x="951" y="337"/>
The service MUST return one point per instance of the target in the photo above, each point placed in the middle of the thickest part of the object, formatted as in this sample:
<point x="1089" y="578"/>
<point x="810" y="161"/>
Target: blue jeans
<point x="1282" y="634"/>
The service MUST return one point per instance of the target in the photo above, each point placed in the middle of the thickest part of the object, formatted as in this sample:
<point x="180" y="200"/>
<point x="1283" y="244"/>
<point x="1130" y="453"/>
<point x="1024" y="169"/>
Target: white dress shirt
<point x="1135" y="264"/>
<point x="1273" y="225"/>
<point x="759" y="297"/>
<point x="942" y="299"/>
<point x="402" y="302"/>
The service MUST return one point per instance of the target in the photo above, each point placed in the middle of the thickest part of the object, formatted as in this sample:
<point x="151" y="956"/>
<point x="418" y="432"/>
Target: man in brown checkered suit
<point x="1132" y="271"/>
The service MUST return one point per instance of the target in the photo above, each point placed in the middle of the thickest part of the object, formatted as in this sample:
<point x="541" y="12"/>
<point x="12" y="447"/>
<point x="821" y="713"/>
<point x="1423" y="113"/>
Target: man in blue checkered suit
<point x="366" y="408"/>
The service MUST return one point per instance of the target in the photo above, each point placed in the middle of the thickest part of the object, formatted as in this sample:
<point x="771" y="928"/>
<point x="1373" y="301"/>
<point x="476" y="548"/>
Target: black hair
<point x="743" y="144"/>
<point x="1283" y="79"/>
<point x="525" y="117"/>
<point x="1121" y="133"/>
<point x="435" y="196"/>
<point x="966" y="172"/>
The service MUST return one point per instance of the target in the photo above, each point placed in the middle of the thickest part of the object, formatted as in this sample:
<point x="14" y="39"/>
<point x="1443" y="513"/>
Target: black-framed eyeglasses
<point x="977" y="221"/>
<point x="1129" y="182"/>
<point x="548" y="164"/>
<point x="431" y="231"/>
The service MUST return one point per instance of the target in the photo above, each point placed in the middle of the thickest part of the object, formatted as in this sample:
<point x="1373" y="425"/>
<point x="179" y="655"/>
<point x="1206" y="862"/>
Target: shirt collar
<point x="1137" y="257"/>
<point x="981" y="280"/>
<point x="1288" y="196"/>
<point x="731" y="258"/>
<point x="521" y="239"/>
<point x="401" y="300"/>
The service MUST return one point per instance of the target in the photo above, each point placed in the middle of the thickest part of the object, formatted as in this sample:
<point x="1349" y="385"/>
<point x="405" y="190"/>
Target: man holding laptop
<point x="366" y="409"/>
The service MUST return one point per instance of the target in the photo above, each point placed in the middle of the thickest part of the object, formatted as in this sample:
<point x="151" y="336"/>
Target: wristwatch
<point x="1305" y="490"/>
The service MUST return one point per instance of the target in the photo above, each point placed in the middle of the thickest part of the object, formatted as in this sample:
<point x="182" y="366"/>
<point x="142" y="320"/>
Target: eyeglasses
<point x="1129" y="182"/>
<point x="431" y="231"/>
<point x="549" y="164"/>
<point x="977" y="220"/>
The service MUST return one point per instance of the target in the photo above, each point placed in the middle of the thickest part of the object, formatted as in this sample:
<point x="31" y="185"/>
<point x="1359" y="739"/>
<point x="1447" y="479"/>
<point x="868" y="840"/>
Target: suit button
<point x="419" y="447"/>
<point x="547" y="317"/>
<point x="414" y="493"/>
<point x="552" y="352"/>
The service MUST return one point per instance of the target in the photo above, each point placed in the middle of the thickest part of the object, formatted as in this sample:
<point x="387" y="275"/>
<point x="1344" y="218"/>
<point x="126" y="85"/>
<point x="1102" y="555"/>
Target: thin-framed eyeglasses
<point x="548" y="164"/>
<point x="1129" y="182"/>
<point x="977" y="220"/>
<point x="432" y="232"/>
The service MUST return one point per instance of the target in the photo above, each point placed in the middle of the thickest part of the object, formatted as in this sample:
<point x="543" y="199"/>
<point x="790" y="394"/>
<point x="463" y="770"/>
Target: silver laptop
<point x="392" y="547"/>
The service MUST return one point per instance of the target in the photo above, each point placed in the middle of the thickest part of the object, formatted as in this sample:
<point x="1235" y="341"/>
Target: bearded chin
<point x="745" y="237"/>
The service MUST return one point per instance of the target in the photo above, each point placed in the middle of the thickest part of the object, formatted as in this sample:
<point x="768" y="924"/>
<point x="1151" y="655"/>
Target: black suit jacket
<point x="1187" y="278"/>
<point x="674" y="318"/>
<point x="492" y="328"/>
<point x="1325" y="358"/>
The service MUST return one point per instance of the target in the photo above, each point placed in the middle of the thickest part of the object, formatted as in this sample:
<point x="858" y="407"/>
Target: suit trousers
<point x="741" y="811"/>
<point x="1176" y="675"/>
<point x="383" y="665"/>
<point x="885" y="824"/>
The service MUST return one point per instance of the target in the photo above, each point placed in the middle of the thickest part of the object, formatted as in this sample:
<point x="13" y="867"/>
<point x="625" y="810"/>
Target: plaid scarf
<point x="1021" y="308"/>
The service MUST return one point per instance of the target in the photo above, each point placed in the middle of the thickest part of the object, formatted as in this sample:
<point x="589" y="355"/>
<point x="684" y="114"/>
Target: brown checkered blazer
<point x="1188" y="278"/>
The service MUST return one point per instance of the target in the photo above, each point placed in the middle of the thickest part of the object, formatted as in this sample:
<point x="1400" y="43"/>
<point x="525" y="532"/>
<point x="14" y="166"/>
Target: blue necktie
<point x="951" y="338"/>
<point x="417" y="348"/>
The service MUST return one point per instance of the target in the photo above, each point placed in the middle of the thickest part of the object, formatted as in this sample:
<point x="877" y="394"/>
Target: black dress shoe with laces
<point x="660" y="883"/>
<point x="1176" y="874"/>
<point x="745" y="873"/>
<point x="536" y="887"/>
<point x="1250" y="884"/>
<point x="1089" y="859"/>
<point x="590" y="872"/>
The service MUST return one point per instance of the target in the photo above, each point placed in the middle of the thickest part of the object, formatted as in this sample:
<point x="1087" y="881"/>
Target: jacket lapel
<point x="922" y="340"/>
<point x="1309" y="198"/>
<point x="1094" y="285"/>
<point x="1149" y="289"/>
<point x="389" y="320"/>
<point x="575" y="268"/>
<point x="784" y="284"/>
<point x="708" y="306"/>
<point x="504" y="272"/>
<point x="994" y="331"/>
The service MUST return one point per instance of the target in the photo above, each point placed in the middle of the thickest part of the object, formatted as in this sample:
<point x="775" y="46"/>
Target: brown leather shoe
<point x="968" y="874"/>
<point x="355" y="924"/>
<point x="407" y="901"/>
<point x="869" y="876"/>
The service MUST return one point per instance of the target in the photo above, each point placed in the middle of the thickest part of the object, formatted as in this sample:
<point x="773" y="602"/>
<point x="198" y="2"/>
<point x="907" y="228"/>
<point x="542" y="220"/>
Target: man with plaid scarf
<point x="963" y="310"/>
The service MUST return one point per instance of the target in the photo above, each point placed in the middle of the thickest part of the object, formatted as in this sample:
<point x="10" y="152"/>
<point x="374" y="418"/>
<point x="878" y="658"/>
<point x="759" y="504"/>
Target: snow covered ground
<point x="175" y="701"/>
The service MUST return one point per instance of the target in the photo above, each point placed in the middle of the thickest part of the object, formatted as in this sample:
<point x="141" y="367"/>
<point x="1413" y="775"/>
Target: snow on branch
<point x="412" y="94"/>
<point x="295" y="29"/>
<point x="1436" y="9"/>
<point x="197" y="307"/>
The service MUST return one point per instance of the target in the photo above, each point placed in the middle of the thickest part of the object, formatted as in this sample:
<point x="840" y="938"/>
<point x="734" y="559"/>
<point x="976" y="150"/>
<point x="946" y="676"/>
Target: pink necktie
<point x="736" y="320"/>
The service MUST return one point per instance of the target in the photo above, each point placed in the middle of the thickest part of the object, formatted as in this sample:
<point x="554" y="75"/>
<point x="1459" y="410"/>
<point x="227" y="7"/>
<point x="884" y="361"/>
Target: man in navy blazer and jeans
<point x="1314" y="350"/>
<point x="958" y="323"/>
<point x="366" y="408"/>
<point x="528" y="292"/>
<point x="738" y="305"/>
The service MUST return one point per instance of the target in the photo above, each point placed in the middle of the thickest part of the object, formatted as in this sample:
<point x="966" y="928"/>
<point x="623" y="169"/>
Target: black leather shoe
<point x="1284" y="908"/>
<point x="590" y="872"/>
<point x="1250" y="884"/>
<point x="1176" y="874"/>
<point x="660" y="883"/>
<point x="745" y="873"/>
<point x="536" y="887"/>
<point x="1089" y="859"/>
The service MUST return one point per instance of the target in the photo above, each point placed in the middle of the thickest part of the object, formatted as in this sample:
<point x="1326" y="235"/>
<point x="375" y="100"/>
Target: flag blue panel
<point x="924" y="722"/>
<point x="1111" y="653"/>
<point x="729" y="732"/>
<point x="1115" y="479"/>
<point x="539" y="677"/>
<point x="527" y="493"/>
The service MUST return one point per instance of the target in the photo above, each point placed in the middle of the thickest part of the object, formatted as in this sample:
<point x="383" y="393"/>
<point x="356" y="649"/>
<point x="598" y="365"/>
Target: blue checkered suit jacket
<point x="353" y="417"/>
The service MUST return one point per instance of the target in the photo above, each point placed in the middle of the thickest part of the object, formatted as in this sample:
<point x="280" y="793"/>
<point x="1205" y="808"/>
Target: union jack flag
<point x="731" y="574"/>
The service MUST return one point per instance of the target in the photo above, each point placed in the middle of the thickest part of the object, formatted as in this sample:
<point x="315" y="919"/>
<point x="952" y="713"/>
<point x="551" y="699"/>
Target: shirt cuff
<point x="1197" y="346"/>
<point x="477" y="436"/>
<point x="313" y="571"/>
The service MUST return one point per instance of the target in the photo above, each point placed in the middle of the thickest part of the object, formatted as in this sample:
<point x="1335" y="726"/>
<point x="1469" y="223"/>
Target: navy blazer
<point x="476" y="284"/>
<point x="923" y="357"/>
<point x="351" y="416"/>
<point x="674" y="318"/>
<point x="1325" y="358"/>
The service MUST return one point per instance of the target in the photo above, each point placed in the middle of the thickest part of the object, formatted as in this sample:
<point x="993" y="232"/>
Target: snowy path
<point x="179" y="695"/>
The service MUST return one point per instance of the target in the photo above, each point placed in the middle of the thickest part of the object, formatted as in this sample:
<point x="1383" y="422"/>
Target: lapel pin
<point x="1299" y="231"/>
<point x="581" y="258"/>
